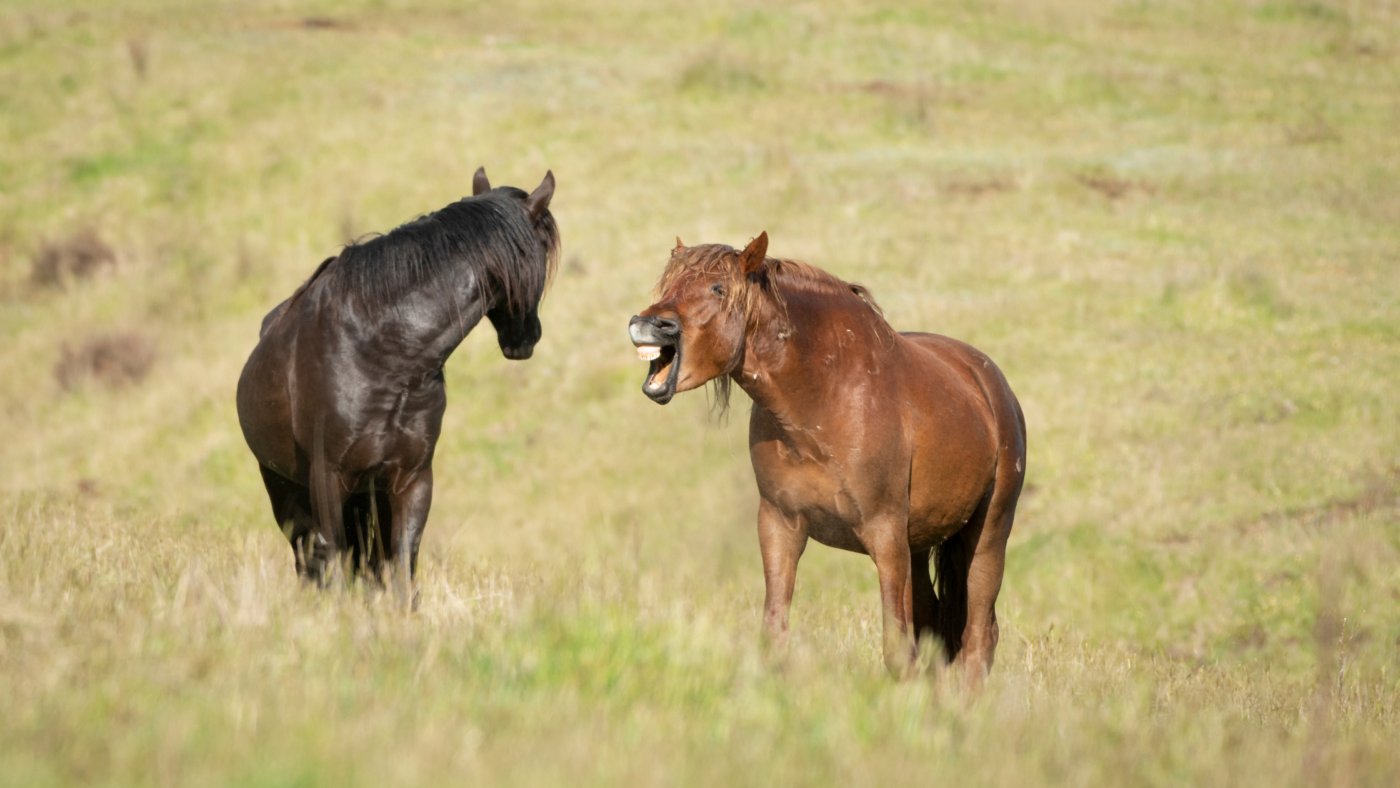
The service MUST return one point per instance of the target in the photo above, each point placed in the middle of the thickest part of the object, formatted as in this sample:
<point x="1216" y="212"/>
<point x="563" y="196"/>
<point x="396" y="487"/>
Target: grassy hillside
<point x="1175" y="225"/>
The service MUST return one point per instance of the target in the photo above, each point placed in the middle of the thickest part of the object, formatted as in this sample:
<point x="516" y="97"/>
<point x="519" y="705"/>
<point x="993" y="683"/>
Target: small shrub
<point x="78" y="256"/>
<point x="140" y="57"/>
<point x="1257" y="291"/>
<point x="116" y="360"/>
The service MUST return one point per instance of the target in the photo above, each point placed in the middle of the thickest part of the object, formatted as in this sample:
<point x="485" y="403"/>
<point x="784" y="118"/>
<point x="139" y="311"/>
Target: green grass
<point x="1174" y="225"/>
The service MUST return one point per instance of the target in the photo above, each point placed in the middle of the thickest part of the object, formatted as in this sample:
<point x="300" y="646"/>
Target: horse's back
<point x="969" y="363"/>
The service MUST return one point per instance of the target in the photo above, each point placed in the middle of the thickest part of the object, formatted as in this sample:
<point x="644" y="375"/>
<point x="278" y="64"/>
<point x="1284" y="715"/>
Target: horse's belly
<point x="835" y="533"/>
<point x="264" y="414"/>
<point x="945" y="489"/>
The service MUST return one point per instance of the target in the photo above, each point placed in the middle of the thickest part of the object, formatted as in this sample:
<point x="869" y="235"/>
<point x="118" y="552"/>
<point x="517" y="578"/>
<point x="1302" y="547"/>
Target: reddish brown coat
<point x="896" y="445"/>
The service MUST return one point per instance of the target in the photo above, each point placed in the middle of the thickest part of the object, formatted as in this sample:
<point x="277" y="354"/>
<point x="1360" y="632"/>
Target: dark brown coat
<point x="342" y="400"/>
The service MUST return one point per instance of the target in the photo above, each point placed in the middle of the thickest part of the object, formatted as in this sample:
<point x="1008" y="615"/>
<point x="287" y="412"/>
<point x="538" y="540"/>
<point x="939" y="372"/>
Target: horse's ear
<point x="479" y="182"/>
<point x="679" y="245"/>
<point x="538" y="201"/>
<point x="754" y="254"/>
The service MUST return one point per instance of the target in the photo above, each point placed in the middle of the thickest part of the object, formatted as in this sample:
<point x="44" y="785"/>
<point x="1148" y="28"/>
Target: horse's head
<point x="694" y="332"/>
<point x="516" y="315"/>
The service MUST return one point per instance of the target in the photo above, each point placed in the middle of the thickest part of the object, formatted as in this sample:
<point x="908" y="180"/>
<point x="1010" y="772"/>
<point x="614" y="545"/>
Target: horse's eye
<point x="717" y="289"/>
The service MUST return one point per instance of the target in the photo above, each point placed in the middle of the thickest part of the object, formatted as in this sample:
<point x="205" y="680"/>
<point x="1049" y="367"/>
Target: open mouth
<point x="658" y="342"/>
<point x="660" y="384"/>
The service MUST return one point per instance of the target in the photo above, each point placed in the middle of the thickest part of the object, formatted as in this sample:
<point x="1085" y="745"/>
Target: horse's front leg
<point x="291" y="506"/>
<point x="886" y="538"/>
<point x="329" y="540"/>
<point x="410" y="504"/>
<point x="781" y="541"/>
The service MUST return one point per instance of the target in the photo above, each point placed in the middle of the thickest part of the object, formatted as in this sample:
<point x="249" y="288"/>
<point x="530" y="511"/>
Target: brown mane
<point x="746" y="293"/>
<point x="743" y="293"/>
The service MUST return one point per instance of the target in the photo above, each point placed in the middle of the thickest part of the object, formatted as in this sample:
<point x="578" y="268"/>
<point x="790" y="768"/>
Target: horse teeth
<point x="648" y="352"/>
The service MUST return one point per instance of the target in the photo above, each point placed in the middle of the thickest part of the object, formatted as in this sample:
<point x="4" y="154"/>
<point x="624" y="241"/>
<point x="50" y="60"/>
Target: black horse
<point x="342" y="399"/>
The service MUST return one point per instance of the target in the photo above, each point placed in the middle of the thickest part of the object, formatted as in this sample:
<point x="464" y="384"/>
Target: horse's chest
<point x="814" y="491"/>
<point x="395" y="429"/>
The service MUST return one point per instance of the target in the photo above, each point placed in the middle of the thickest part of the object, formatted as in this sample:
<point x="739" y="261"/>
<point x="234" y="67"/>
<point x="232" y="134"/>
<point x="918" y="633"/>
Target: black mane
<point x="490" y="233"/>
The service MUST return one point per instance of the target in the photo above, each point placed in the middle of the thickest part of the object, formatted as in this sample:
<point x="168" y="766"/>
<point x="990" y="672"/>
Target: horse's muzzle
<point x="518" y="336"/>
<point x="652" y="330"/>
<point x="658" y="341"/>
<point x="518" y="352"/>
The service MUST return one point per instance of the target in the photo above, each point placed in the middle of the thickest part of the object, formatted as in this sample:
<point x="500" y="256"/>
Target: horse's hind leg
<point x="291" y="506"/>
<point x="925" y="602"/>
<point x="986" y="543"/>
<point x="358" y="521"/>
<point x="368" y="520"/>
<point x="384" y="518"/>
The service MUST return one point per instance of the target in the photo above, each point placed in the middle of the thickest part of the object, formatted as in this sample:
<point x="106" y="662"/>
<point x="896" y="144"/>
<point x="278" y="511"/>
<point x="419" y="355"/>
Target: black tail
<point x="950" y="579"/>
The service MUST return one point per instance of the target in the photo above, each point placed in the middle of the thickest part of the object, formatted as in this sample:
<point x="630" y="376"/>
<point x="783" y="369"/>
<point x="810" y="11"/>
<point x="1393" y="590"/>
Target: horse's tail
<point x="328" y="543"/>
<point x="950" y="573"/>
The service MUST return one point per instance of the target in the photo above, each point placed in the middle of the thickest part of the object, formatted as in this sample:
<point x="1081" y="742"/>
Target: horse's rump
<point x="277" y="311"/>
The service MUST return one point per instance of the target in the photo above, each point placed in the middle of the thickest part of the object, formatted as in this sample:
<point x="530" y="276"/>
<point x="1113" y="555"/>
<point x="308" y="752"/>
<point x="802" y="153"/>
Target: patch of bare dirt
<point x="317" y="23"/>
<point x="325" y="23"/>
<point x="923" y="96"/>
<point x="882" y="87"/>
<point x="1115" y="188"/>
<point x="116" y="359"/>
<point x="980" y="187"/>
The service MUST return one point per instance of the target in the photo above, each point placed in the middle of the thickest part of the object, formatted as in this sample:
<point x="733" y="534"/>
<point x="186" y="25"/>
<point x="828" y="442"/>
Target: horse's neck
<point x="788" y="369"/>
<point x="430" y="323"/>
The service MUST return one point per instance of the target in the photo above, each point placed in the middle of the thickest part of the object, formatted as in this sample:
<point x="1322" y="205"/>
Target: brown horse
<point x="896" y="445"/>
<point x="342" y="399"/>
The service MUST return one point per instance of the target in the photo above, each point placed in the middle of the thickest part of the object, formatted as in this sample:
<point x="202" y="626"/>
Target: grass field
<point x="1175" y="225"/>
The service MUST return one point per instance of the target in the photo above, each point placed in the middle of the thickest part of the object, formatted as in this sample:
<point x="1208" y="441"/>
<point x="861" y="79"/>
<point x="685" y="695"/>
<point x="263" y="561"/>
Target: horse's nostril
<point x="667" y="326"/>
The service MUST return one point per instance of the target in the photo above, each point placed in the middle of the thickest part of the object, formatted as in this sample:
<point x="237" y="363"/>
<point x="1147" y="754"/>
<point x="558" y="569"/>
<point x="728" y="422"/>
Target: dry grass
<point x="170" y="657"/>
<point x="1201" y="585"/>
